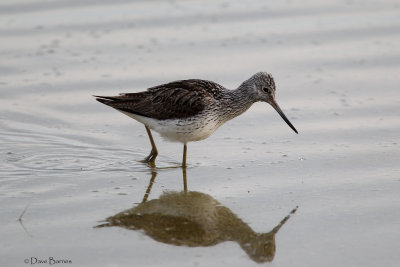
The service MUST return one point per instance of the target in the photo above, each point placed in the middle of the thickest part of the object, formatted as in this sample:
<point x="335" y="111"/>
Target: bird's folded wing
<point x="174" y="100"/>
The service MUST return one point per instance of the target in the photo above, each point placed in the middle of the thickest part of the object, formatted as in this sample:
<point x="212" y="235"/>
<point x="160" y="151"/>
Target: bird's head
<point x="263" y="86"/>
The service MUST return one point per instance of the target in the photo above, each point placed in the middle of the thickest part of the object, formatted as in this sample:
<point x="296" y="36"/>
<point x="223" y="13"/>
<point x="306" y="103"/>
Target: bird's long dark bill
<point x="278" y="109"/>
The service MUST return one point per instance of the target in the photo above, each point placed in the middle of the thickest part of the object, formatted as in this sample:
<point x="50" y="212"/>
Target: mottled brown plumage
<point x="175" y="100"/>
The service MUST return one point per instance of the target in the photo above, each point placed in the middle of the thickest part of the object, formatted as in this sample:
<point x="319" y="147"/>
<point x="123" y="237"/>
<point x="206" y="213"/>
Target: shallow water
<point x="68" y="163"/>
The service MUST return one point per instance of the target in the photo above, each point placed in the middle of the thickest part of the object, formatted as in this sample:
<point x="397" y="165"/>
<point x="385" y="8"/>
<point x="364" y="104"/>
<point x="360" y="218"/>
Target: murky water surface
<point x="71" y="166"/>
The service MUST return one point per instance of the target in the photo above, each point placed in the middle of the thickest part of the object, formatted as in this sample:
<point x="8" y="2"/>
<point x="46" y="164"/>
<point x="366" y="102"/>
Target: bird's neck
<point x="232" y="228"/>
<point x="237" y="101"/>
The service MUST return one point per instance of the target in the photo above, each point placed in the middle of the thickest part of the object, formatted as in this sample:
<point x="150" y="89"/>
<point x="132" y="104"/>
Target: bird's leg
<point x="153" y="177"/>
<point x="184" y="180"/>
<point x="151" y="158"/>
<point x="184" y="156"/>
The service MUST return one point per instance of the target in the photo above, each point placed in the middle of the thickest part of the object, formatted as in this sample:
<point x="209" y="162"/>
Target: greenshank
<point x="191" y="110"/>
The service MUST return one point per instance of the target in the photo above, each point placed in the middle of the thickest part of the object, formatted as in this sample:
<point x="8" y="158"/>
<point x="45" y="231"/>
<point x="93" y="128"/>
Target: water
<point x="71" y="162"/>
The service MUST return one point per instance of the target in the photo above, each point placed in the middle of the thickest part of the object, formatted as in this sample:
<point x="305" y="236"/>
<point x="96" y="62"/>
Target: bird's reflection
<point x="193" y="219"/>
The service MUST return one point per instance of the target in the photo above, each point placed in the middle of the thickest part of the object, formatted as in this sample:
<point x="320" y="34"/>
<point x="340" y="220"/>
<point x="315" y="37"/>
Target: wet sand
<point x="70" y="163"/>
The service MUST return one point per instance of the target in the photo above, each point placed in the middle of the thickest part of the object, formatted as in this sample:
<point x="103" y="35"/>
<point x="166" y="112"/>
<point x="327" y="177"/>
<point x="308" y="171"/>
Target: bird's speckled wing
<point x="175" y="100"/>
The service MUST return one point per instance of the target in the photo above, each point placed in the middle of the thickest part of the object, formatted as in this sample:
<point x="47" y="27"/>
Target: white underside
<point x="180" y="130"/>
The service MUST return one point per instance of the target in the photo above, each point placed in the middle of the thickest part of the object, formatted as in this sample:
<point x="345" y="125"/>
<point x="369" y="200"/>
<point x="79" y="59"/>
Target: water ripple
<point x="43" y="153"/>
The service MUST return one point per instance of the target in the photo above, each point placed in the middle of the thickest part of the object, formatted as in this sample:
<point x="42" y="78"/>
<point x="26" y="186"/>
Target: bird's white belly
<point x="180" y="130"/>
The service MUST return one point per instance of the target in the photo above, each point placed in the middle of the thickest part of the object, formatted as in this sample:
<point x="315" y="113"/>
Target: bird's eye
<point x="266" y="90"/>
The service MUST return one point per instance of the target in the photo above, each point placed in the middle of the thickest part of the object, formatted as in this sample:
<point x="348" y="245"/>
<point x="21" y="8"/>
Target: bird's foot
<point x="151" y="159"/>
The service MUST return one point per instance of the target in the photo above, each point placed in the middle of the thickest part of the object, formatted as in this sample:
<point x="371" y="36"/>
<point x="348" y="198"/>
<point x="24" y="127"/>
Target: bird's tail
<point x="107" y="100"/>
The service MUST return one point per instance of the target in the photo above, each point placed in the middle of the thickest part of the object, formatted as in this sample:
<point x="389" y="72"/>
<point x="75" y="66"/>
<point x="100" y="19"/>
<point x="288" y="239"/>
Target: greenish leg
<point x="184" y="156"/>
<point x="151" y="158"/>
